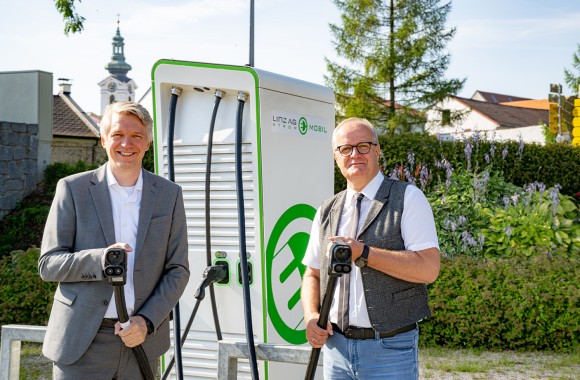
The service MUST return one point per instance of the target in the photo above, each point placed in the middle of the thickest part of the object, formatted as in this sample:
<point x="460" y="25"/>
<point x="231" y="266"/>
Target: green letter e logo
<point x="284" y="271"/>
<point x="303" y="125"/>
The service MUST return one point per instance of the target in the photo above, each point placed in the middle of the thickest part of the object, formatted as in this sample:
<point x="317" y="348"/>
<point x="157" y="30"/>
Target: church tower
<point x="117" y="86"/>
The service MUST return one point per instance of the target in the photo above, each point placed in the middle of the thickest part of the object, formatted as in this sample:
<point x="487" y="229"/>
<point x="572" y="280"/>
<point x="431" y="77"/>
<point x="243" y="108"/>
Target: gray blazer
<point x="79" y="227"/>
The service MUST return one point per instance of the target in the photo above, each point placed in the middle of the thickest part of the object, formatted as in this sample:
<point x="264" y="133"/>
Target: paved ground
<point x="436" y="364"/>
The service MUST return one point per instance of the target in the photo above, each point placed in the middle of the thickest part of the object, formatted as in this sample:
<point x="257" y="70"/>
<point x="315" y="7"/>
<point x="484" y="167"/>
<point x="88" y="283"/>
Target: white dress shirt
<point x="126" y="202"/>
<point x="417" y="230"/>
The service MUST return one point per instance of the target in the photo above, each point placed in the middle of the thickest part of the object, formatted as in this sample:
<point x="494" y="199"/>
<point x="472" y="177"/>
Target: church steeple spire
<point x="117" y="86"/>
<point x="118" y="68"/>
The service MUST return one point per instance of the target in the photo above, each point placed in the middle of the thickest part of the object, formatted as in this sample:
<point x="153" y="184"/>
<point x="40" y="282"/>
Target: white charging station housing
<point x="287" y="172"/>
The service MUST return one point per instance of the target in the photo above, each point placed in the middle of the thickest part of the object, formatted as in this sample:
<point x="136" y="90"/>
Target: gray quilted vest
<point x="391" y="303"/>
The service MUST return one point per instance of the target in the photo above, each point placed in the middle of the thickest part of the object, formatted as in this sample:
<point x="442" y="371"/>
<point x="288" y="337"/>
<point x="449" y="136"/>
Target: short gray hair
<point x="358" y="121"/>
<point x="126" y="108"/>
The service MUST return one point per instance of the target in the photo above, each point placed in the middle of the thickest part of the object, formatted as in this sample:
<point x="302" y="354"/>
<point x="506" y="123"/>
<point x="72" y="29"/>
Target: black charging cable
<point x="242" y="97"/>
<point x="340" y="263"/>
<point x="175" y="92"/>
<point x="211" y="274"/>
<point x="116" y="273"/>
<point x="219" y="94"/>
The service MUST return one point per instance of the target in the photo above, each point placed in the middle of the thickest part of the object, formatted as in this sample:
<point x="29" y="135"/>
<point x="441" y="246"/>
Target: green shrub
<point x="550" y="164"/>
<point x="26" y="299"/>
<point x="58" y="170"/>
<point x="149" y="160"/>
<point x="536" y="224"/>
<point x="509" y="304"/>
<point x="22" y="227"/>
<point x="480" y="214"/>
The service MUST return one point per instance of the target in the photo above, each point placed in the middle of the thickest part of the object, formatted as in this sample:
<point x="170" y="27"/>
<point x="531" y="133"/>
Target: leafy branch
<point x="73" y="22"/>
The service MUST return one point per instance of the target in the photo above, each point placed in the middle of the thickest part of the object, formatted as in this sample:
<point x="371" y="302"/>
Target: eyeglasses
<point x="363" y="148"/>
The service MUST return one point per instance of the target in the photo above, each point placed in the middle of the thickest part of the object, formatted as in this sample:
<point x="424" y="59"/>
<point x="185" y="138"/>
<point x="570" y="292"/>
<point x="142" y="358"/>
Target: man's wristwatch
<point x="362" y="261"/>
<point x="150" y="327"/>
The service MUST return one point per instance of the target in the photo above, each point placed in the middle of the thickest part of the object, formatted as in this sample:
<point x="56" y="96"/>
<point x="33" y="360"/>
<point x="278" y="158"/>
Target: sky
<point x="514" y="47"/>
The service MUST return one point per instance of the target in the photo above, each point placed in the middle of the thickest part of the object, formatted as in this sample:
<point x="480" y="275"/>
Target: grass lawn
<point x="436" y="363"/>
<point x="442" y="363"/>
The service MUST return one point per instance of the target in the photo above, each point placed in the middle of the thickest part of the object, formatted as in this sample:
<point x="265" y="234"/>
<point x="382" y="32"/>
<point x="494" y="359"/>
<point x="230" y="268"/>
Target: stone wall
<point x="18" y="163"/>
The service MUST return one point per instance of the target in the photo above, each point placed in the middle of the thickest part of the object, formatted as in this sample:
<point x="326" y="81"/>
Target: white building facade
<point x="457" y="118"/>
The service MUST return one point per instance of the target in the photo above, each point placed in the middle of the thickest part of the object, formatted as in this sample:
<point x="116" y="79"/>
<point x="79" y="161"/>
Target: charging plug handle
<point x="214" y="273"/>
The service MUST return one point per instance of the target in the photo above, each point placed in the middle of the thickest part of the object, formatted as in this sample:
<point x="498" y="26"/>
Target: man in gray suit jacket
<point x="389" y="226"/>
<point x="119" y="205"/>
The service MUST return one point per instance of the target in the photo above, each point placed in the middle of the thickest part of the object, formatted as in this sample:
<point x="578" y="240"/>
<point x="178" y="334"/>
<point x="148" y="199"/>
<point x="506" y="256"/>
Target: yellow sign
<point x="576" y="123"/>
<point x="553" y="127"/>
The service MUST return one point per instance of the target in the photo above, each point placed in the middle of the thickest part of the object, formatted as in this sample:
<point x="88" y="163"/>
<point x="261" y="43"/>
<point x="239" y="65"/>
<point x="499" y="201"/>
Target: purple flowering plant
<point x="479" y="214"/>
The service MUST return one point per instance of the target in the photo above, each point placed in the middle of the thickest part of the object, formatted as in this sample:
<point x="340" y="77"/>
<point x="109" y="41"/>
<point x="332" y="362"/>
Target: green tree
<point x="393" y="60"/>
<point x="572" y="76"/>
<point x="73" y="22"/>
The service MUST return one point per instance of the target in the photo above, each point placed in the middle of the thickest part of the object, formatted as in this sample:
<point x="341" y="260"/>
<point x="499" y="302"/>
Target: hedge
<point x="513" y="304"/>
<point x="506" y="304"/>
<point x="549" y="164"/>
<point x="26" y="299"/>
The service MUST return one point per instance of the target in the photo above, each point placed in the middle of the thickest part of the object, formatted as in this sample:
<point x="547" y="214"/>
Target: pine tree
<point x="394" y="60"/>
<point x="572" y="79"/>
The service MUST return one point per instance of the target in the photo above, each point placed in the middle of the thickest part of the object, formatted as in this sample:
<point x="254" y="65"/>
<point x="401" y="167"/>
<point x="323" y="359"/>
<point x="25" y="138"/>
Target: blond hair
<point x="127" y="108"/>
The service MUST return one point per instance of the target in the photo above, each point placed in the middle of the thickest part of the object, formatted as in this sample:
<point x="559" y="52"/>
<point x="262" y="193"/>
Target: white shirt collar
<point x="370" y="190"/>
<point x="111" y="180"/>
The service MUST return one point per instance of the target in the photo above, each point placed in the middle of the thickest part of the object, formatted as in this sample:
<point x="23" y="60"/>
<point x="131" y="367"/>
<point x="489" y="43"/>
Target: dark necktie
<point x="345" y="279"/>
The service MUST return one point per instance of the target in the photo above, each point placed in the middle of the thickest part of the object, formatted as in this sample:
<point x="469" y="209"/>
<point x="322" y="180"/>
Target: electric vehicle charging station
<point x="287" y="171"/>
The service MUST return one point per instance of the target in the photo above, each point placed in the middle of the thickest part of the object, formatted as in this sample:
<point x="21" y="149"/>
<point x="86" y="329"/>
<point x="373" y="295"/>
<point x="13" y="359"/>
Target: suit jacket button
<point x="105" y="302"/>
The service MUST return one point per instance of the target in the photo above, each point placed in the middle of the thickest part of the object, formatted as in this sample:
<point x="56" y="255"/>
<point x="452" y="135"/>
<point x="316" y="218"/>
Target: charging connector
<point x="214" y="273"/>
<point x="226" y="265"/>
<point x="250" y="273"/>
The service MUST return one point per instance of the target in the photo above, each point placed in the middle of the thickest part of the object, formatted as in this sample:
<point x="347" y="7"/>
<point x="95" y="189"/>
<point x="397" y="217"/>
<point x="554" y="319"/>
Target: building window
<point x="446" y="117"/>
<point x="111" y="99"/>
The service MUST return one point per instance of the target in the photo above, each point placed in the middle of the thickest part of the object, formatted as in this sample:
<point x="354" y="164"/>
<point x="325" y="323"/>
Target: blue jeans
<point x="383" y="358"/>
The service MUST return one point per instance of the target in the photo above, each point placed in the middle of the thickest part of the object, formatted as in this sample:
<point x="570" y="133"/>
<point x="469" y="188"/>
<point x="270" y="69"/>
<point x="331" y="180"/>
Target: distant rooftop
<point x="492" y="97"/>
<point x="69" y="120"/>
<point x="508" y="116"/>
<point x="541" y="104"/>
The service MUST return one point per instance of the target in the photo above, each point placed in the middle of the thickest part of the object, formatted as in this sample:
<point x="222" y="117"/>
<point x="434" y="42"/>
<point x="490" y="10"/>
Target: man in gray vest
<point x="389" y="226"/>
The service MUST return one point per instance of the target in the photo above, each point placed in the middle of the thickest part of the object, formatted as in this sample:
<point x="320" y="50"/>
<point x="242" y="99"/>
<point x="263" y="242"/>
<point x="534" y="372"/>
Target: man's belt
<point x="368" y="333"/>
<point x="110" y="323"/>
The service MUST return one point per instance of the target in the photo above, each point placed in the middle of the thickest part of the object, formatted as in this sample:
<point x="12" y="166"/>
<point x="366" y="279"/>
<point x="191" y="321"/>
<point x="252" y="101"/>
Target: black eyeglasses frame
<point x="355" y="146"/>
